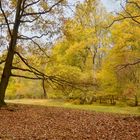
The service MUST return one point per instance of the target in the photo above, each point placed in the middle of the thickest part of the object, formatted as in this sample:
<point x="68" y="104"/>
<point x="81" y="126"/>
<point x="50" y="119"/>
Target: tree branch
<point x="27" y="70"/>
<point x="22" y="9"/>
<point x="126" y="17"/>
<point x="30" y="21"/>
<point x="4" y="24"/>
<point x="6" y="20"/>
<point x="132" y="2"/>
<point x="2" y="61"/>
<point x="129" y="14"/>
<point x="33" y="3"/>
<point x="122" y="66"/>
<point x="43" y="12"/>
<point x="120" y="19"/>
<point x="34" y="70"/>
<point x="31" y="39"/>
<point x="26" y="77"/>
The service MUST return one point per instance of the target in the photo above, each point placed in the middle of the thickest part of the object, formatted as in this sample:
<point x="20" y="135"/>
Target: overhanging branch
<point x="26" y="77"/>
<point x="34" y="70"/>
<point x="27" y="70"/>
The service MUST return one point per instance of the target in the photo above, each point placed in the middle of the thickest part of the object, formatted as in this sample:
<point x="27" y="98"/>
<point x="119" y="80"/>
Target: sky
<point x="110" y="5"/>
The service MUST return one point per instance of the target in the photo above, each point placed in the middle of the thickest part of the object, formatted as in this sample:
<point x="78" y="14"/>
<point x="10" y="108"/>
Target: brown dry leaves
<point x="51" y="123"/>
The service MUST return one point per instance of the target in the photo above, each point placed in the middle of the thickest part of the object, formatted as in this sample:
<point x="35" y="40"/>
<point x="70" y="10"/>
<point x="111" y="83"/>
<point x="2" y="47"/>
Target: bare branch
<point x="22" y="9"/>
<point x="132" y="2"/>
<point x="55" y="79"/>
<point x="2" y="61"/>
<point x="43" y="12"/>
<point x="4" y="24"/>
<point x="30" y="21"/>
<point x="129" y="14"/>
<point x="26" y="70"/>
<point x="39" y="74"/>
<point x="26" y="77"/>
<point x="5" y="17"/>
<point x="31" y="39"/>
<point x="34" y="70"/>
<point x="40" y="48"/>
<point x="122" y="66"/>
<point x="33" y="3"/>
<point x="120" y="19"/>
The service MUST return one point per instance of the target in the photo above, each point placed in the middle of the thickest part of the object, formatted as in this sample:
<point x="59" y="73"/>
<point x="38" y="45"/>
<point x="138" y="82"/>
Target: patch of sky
<point x="110" y="5"/>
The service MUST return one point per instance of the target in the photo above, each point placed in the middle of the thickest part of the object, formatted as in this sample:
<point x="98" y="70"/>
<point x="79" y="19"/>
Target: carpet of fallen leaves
<point x="25" y="122"/>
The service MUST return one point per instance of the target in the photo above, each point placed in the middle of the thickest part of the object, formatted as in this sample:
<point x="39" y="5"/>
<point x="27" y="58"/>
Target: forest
<point x="69" y="69"/>
<point x="80" y="53"/>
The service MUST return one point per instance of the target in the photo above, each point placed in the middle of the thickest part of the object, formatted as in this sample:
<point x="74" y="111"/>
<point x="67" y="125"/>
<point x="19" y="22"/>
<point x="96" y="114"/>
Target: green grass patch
<point x="94" y="107"/>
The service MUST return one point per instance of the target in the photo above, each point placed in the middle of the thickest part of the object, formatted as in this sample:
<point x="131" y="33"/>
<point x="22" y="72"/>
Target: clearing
<point x="121" y="108"/>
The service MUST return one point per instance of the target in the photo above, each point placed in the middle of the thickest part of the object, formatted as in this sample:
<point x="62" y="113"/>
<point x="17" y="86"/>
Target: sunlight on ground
<point x="95" y="107"/>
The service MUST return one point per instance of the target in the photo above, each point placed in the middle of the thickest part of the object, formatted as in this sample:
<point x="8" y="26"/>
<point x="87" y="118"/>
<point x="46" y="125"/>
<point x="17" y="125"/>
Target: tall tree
<point x="28" y="15"/>
<point x="92" y="15"/>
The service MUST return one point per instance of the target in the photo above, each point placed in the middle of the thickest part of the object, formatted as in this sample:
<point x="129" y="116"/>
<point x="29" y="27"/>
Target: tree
<point x="93" y="16"/>
<point x="120" y="72"/>
<point x="26" y="15"/>
<point x="130" y="11"/>
<point x="78" y="55"/>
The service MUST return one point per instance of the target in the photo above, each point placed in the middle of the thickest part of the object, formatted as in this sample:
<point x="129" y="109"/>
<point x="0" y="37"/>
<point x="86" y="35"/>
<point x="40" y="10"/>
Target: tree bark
<point x="136" y="100"/>
<point x="44" y="90"/>
<point x="10" y="56"/>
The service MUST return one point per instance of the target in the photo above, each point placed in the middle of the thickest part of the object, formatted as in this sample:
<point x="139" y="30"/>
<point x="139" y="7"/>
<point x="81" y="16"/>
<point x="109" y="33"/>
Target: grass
<point x="95" y="107"/>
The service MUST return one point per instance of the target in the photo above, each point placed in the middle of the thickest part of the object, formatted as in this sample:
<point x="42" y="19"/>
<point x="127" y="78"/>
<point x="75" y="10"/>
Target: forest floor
<point x="28" y="122"/>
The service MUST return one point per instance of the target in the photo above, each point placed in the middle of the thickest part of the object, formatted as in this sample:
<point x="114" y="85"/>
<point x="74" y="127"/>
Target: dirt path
<point x="49" y="123"/>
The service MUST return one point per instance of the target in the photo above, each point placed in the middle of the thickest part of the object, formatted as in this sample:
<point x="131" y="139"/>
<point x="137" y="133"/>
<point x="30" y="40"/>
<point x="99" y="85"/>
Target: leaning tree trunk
<point x="6" y="75"/>
<point x="10" y="56"/>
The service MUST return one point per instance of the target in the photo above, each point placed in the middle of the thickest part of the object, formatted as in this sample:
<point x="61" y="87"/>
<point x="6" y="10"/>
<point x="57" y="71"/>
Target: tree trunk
<point x="6" y="76"/>
<point x="44" y="90"/>
<point x="136" y="100"/>
<point x="10" y="56"/>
